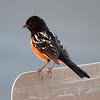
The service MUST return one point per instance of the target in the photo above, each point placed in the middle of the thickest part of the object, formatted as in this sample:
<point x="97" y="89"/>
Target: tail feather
<point x="74" y="67"/>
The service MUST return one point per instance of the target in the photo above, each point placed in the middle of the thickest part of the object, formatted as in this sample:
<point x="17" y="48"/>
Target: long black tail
<point x="74" y="67"/>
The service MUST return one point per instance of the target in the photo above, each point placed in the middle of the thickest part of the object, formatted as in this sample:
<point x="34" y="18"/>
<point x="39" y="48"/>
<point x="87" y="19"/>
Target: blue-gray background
<point x="76" y="22"/>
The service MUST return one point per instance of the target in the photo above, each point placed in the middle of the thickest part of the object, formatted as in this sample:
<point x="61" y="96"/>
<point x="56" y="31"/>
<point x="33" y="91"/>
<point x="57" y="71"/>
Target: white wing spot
<point x="44" y="34"/>
<point x="36" y="37"/>
<point x="51" y="45"/>
<point x="44" y="48"/>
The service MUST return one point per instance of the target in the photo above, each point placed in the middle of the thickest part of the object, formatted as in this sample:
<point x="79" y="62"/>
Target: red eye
<point x="30" y="23"/>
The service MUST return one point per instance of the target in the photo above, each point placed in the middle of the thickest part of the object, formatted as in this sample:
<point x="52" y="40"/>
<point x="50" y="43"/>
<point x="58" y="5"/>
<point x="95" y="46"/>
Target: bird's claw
<point x="50" y="72"/>
<point x="40" y="73"/>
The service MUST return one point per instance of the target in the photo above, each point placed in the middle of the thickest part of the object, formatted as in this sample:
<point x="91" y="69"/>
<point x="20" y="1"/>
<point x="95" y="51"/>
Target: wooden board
<point x="63" y="85"/>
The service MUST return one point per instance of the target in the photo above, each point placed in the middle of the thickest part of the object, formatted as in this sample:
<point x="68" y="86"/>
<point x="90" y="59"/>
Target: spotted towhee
<point x="47" y="46"/>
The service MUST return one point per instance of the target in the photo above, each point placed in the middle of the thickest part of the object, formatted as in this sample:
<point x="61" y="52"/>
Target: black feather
<point x="74" y="67"/>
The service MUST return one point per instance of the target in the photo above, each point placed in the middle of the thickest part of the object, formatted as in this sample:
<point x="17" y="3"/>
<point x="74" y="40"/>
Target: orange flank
<point x="37" y="52"/>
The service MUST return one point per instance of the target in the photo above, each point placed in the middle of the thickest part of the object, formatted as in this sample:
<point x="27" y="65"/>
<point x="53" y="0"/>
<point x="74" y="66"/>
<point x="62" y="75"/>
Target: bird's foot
<point x="50" y="73"/>
<point x="40" y="73"/>
<point x="39" y="70"/>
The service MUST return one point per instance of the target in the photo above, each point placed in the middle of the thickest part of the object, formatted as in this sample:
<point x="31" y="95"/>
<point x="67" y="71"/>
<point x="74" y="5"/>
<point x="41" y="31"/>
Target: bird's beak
<point x="25" y="26"/>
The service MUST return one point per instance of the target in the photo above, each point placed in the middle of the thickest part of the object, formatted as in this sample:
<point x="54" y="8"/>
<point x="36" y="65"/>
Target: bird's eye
<point x="30" y="23"/>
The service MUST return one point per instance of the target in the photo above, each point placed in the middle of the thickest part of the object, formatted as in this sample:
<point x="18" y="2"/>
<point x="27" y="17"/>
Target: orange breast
<point x="37" y="52"/>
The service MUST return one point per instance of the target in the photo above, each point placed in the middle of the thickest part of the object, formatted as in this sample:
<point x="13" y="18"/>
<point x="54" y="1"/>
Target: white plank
<point x="63" y="85"/>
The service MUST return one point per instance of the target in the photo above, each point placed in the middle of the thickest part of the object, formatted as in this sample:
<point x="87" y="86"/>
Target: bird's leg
<point x="51" y="67"/>
<point x="40" y="70"/>
<point x="50" y="72"/>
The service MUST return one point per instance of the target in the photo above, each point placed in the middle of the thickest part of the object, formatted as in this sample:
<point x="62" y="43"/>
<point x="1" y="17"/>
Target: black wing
<point x="45" y="43"/>
<point x="61" y="48"/>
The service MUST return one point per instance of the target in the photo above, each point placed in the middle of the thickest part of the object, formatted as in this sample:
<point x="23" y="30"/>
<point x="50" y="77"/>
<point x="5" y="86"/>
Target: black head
<point x="35" y="24"/>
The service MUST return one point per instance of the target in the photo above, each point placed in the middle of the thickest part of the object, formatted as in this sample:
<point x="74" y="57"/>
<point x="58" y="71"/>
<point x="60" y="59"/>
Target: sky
<point x="75" y="22"/>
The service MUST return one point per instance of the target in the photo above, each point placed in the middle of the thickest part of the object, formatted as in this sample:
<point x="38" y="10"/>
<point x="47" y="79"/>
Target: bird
<point x="48" y="47"/>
